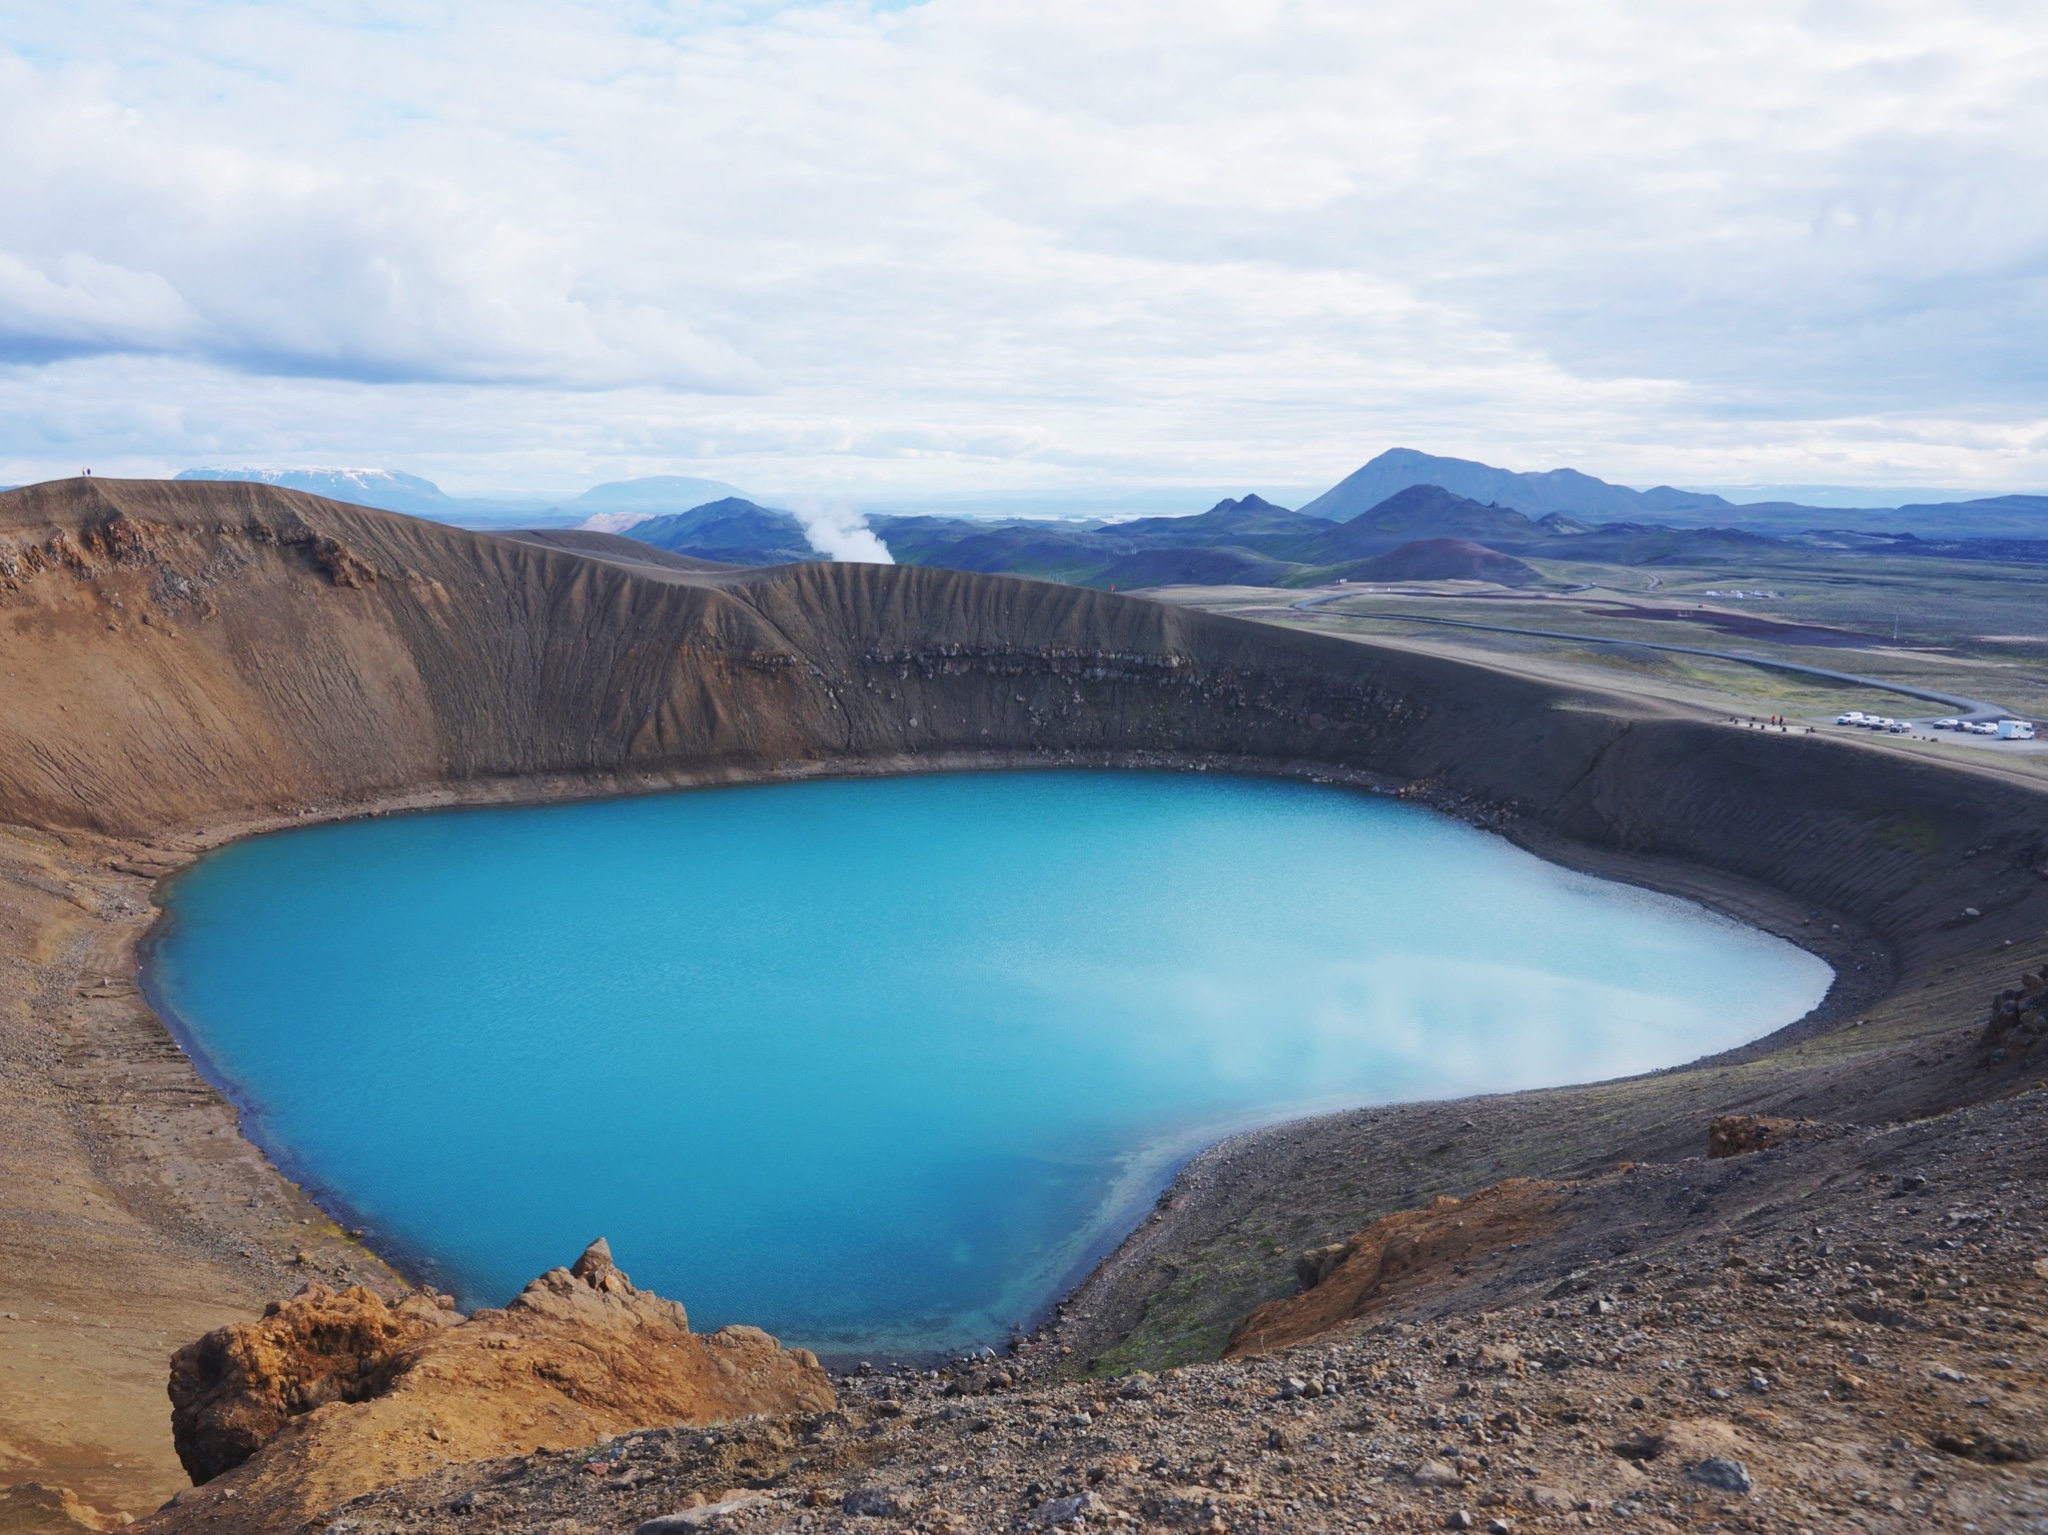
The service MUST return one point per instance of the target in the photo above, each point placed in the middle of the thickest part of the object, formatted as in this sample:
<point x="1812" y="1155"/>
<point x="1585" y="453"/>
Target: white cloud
<point x="78" y="303"/>
<point x="1030" y="241"/>
<point x="135" y="236"/>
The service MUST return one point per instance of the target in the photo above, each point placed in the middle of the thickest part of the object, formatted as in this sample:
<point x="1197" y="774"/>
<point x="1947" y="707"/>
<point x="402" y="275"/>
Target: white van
<point x="2015" y="730"/>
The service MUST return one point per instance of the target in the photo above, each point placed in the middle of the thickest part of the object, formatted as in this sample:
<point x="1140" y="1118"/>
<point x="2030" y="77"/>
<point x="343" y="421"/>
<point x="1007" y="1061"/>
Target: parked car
<point x="1949" y="724"/>
<point x="1853" y="717"/>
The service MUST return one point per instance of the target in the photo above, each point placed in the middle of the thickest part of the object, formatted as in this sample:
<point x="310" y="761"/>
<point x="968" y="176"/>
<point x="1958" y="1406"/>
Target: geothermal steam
<point x="841" y="533"/>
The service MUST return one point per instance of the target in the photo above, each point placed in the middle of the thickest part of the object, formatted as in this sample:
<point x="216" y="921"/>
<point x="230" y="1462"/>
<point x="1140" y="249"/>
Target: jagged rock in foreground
<point x="237" y="1387"/>
<point x="331" y="1396"/>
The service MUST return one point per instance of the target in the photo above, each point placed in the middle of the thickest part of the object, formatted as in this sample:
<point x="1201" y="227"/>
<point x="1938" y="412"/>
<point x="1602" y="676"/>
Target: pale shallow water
<point x="881" y="1064"/>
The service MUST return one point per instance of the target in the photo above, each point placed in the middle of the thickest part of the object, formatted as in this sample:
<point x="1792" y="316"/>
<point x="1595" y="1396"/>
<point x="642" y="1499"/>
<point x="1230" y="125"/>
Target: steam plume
<point x="842" y="533"/>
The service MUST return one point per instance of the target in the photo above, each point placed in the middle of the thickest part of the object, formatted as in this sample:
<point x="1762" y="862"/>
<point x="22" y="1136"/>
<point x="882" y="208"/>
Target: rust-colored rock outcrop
<point x="347" y="1393"/>
<point x="235" y="1388"/>
<point x="1738" y="1135"/>
<point x="1397" y="1252"/>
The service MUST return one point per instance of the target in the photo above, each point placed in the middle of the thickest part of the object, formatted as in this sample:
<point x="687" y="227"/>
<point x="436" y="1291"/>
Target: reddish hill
<point x="1444" y="559"/>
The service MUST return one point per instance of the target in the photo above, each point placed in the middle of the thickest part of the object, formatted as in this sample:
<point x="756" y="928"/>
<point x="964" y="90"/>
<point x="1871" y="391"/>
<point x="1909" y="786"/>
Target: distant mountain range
<point x="732" y="530"/>
<point x="1421" y="532"/>
<point x="609" y="507"/>
<point x="1417" y="532"/>
<point x="1402" y="514"/>
<point x="1594" y="500"/>
<point x="386" y="489"/>
<point x="1569" y="492"/>
<point x="1555" y="490"/>
<point x="619" y="504"/>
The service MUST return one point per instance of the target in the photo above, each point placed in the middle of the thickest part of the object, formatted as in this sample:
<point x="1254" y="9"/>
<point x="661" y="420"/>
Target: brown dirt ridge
<point x="184" y="663"/>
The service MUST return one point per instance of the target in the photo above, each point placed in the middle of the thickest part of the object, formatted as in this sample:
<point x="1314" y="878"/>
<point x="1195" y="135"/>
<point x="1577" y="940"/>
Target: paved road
<point x="1966" y="708"/>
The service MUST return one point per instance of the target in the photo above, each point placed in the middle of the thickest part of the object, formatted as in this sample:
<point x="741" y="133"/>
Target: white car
<point x="1853" y="717"/>
<point x="1947" y="724"/>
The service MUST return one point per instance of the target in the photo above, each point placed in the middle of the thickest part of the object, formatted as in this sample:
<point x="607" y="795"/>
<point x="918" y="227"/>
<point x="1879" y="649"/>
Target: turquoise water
<point x="880" y="1064"/>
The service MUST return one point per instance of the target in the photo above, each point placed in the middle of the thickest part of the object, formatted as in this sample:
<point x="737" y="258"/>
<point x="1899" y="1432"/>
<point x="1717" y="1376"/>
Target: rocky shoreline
<point x="1854" y="1342"/>
<point x="1863" y="966"/>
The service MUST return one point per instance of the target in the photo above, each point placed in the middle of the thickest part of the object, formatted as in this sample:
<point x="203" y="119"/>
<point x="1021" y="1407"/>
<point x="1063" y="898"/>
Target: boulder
<point x="702" y="1516"/>
<point x="2018" y="1023"/>
<point x="1738" y="1135"/>
<point x="1499" y="1359"/>
<point x="881" y="1502"/>
<point x="1721" y="1474"/>
<point x="1314" y="1264"/>
<point x="1074" y="1509"/>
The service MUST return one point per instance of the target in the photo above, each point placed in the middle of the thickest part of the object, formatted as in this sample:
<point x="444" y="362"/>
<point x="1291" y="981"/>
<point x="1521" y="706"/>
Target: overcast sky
<point x="858" y="249"/>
